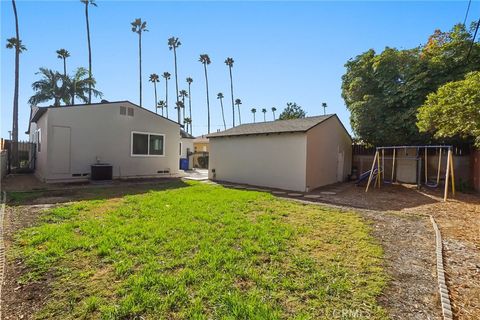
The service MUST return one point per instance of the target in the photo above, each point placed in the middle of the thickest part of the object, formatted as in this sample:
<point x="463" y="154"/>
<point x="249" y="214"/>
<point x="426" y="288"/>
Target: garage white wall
<point x="274" y="160"/>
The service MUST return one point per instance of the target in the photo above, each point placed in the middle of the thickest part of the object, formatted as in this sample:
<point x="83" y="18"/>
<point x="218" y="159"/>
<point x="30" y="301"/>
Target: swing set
<point x="377" y="172"/>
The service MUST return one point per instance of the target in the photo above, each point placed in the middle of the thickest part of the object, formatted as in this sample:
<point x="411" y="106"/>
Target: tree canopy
<point x="292" y="111"/>
<point x="453" y="110"/>
<point x="384" y="91"/>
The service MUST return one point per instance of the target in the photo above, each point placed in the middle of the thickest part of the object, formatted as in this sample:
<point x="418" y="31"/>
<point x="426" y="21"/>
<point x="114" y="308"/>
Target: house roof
<point x="201" y="139"/>
<point x="41" y="110"/>
<point x="185" y="135"/>
<point x="277" y="126"/>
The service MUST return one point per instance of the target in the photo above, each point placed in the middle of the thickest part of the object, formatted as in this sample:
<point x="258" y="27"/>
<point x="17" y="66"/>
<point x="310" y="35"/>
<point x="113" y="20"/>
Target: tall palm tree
<point x="189" y="81"/>
<point x="161" y="105"/>
<point x="205" y="60"/>
<point x="19" y="48"/>
<point x="324" y="105"/>
<point x="253" y="112"/>
<point x="166" y="75"/>
<point x="89" y="2"/>
<point x="139" y="26"/>
<point x="52" y="86"/>
<point x="173" y="44"/>
<point x="80" y="85"/>
<point x="154" y="78"/>
<point x="264" y="113"/>
<point x="220" y="97"/>
<point x="238" y="102"/>
<point x="188" y="122"/>
<point x="179" y="105"/>
<point x="63" y="54"/>
<point x="183" y="94"/>
<point x="273" y="111"/>
<point x="229" y="62"/>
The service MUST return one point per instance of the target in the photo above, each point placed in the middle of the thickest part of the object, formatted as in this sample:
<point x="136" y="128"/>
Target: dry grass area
<point x="458" y="220"/>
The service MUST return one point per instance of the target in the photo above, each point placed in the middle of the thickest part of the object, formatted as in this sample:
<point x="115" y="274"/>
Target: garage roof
<point x="277" y="126"/>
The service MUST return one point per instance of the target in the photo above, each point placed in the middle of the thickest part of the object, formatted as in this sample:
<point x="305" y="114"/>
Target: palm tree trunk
<point x="64" y="66"/>
<point x="140" y="63"/>
<point x="239" y="116"/>
<point x="223" y="115"/>
<point x="254" y="118"/>
<point x="183" y="109"/>
<point x="155" y="89"/>
<point x="166" y="97"/>
<point x="190" y="107"/>
<point x="176" y="79"/>
<point x="15" y="90"/>
<point x="208" y="99"/>
<point x="264" y="119"/>
<point x="89" y="54"/>
<point x="231" y="92"/>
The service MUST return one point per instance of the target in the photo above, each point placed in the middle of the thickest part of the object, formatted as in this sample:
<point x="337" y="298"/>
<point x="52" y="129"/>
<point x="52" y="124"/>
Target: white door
<point x="60" y="156"/>
<point x="340" y="164"/>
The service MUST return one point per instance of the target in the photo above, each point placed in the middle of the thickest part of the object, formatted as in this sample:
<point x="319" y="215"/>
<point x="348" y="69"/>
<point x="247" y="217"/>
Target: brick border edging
<point x="442" y="285"/>
<point x="2" y="248"/>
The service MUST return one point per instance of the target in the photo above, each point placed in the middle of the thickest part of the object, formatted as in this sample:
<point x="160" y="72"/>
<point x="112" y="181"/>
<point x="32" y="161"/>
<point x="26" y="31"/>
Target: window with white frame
<point x="148" y="144"/>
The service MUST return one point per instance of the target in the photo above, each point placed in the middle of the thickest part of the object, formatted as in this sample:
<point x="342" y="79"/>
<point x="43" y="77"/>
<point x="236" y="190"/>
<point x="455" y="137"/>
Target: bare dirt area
<point x="458" y="220"/>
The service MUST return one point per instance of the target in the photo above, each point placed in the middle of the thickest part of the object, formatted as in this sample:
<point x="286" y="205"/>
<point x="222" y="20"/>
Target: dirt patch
<point x="20" y="301"/>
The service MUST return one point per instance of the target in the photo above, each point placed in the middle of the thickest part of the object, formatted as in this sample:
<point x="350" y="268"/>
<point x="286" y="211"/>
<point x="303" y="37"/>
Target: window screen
<point x="123" y="110"/>
<point x="156" y="145"/>
<point x="130" y="112"/>
<point x="140" y="143"/>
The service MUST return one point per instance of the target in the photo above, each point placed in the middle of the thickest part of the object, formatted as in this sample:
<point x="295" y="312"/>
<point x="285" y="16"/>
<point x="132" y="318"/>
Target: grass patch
<point x="203" y="252"/>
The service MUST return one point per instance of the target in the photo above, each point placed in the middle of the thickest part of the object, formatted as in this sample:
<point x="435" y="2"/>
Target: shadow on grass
<point x="91" y="192"/>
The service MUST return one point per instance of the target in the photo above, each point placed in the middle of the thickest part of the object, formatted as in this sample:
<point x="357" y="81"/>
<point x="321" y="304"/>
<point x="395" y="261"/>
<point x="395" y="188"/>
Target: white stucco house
<point x="186" y="146"/>
<point x="299" y="154"/>
<point x="136" y="142"/>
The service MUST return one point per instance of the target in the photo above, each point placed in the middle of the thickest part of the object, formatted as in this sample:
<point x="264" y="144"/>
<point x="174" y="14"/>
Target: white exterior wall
<point x="329" y="154"/>
<point x="99" y="132"/>
<point x="186" y="144"/>
<point x="274" y="160"/>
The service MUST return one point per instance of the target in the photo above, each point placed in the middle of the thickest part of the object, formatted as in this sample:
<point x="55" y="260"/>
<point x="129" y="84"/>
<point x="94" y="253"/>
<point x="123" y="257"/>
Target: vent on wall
<point x="123" y="110"/>
<point x="130" y="112"/>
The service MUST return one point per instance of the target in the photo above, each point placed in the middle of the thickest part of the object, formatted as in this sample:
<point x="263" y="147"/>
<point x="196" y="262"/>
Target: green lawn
<point x="203" y="252"/>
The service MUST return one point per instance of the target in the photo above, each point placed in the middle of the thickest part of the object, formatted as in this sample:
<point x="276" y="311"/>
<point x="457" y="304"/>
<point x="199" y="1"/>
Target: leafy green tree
<point x="292" y="111"/>
<point x="220" y="97"/>
<point x="139" y="27"/>
<point x="384" y="91"/>
<point x="63" y="54"/>
<point x="205" y="60"/>
<point x="453" y="110"/>
<point x="87" y="20"/>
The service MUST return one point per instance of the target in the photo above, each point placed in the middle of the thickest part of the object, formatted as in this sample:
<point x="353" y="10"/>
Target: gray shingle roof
<point x="278" y="126"/>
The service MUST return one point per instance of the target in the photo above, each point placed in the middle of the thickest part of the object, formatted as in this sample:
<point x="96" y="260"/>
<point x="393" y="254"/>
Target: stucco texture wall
<point x="100" y="132"/>
<point x="329" y="154"/>
<point x="275" y="160"/>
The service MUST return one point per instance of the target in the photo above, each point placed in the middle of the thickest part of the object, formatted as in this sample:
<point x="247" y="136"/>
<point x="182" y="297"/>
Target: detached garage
<point x="299" y="154"/>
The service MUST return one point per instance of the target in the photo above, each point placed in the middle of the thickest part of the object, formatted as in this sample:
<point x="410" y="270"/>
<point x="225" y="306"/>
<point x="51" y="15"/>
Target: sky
<point x="283" y="51"/>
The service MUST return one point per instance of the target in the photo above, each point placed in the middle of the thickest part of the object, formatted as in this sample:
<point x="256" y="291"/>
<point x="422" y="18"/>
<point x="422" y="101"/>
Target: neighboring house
<point x="200" y="144"/>
<point x="134" y="140"/>
<point x="186" y="146"/>
<point x="300" y="154"/>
